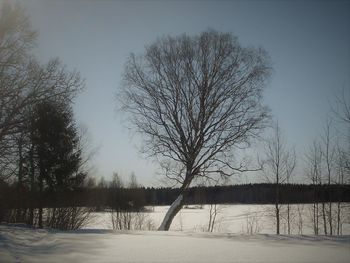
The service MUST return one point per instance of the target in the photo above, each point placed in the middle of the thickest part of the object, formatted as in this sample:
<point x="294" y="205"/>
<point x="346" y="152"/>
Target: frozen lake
<point x="238" y="219"/>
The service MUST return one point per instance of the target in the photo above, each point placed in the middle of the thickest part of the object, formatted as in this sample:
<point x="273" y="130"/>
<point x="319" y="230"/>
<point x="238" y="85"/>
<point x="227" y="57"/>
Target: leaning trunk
<point x="172" y="212"/>
<point x="177" y="204"/>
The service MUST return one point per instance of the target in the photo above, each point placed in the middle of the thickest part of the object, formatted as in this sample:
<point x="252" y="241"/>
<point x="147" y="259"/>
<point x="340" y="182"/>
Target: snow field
<point x="186" y="242"/>
<point x="18" y="244"/>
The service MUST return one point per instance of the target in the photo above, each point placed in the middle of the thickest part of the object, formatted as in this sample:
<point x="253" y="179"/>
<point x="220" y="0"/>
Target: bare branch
<point x="195" y="99"/>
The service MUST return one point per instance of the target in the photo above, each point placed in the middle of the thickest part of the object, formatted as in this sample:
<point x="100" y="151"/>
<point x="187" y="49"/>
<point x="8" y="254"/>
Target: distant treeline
<point x="252" y="194"/>
<point x="137" y="198"/>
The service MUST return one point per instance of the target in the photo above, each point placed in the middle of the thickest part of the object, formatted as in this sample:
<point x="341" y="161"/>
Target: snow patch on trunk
<point x="173" y="206"/>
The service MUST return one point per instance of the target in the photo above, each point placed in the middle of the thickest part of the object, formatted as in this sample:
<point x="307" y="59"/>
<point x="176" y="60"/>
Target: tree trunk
<point x="330" y="215"/>
<point x="41" y="188"/>
<point x="178" y="203"/>
<point x="173" y="210"/>
<point x="288" y="218"/>
<point x="338" y="219"/>
<point x="32" y="185"/>
<point x="210" y="216"/>
<point x="277" y="210"/>
<point x="213" y="211"/>
<point x="40" y="202"/>
<point x="324" y="218"/>
<point x="214" y="218"/>
<point x="317" y="227"/>
<point x="315" y="217"/>
<point x="19" y="183"/>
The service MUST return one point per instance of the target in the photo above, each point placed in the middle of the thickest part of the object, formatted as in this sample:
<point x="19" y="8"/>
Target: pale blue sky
<point x="308" y="41"/>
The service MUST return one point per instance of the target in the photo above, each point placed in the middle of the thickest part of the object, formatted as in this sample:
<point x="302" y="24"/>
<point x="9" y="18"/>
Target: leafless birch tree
<point x="341" y="110"/>
<point x="195" y="100"/>
<point x="329" y="159"/>
<point x="314" y="173"/>
<point x="279" y="163"/>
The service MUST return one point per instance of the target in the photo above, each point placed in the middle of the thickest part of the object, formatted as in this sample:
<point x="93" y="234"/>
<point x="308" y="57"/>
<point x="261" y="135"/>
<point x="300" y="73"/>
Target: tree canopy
<point x="194" y="99"/>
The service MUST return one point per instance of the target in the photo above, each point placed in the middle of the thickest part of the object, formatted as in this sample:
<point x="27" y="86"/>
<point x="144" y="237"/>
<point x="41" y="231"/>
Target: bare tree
<point x="23" y="81"/>
<point x="290" y="166"/>
<point x="133" y="181"/>
<point x="300" y="219"/>
<point x="279" y="164"/>
<point x="253" y="224"/>
<point x="68" y="218"/>
<point x="328" y="163"/>
<point x="314" y="173"/>
<point x="341" y="107"/>
<point x="16" y="39"/>
<point x="196" y="99"/>
<point x="342" y="113"/>
<point x="329" y="155"/>
<point x="214" y="210"/>
<point x="124" y="214"/>
<point x="23" y="84"/>
<point x="342" y="174"/>
<point x="341" y="110"/>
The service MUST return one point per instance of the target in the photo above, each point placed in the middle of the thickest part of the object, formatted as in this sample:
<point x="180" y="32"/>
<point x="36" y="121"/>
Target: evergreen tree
<point x="56" y="143"/>
<point x="56" y="150"/>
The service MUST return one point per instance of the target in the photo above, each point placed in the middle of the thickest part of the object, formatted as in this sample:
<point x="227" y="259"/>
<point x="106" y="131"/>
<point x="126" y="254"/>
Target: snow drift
<point x="20" y="244"/>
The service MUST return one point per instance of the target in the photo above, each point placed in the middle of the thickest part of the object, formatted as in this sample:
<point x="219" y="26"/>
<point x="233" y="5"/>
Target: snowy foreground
<point x="19" y="244"/>
<point x="251" y="239"/>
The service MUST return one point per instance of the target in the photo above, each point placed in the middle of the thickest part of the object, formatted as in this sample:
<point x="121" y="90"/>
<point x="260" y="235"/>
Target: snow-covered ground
<point x="18" y="244"/>
<point x="186" y="242"/>
<point x="238" y="219"/>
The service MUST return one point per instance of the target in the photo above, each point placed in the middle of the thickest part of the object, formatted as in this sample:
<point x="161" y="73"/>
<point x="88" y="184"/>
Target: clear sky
<point x="308" y="41"/>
